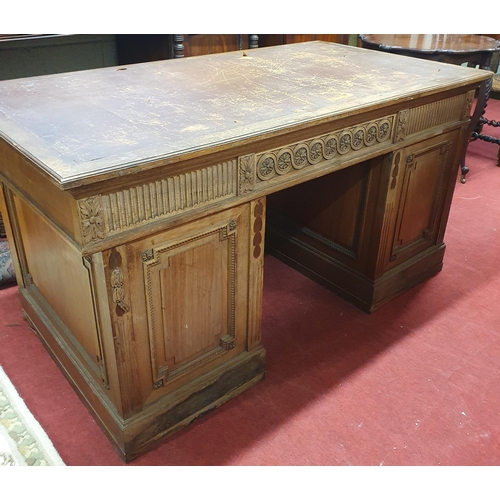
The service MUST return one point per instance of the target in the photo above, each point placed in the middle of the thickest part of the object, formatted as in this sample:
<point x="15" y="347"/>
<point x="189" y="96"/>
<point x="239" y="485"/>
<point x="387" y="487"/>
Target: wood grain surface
<point x="98" y="124"/>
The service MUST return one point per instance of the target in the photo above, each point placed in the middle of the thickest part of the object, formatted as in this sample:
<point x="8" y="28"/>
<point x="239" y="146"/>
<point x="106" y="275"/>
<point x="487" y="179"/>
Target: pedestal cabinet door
<point x="189" y="300"/>
<point x="418" y="189"/>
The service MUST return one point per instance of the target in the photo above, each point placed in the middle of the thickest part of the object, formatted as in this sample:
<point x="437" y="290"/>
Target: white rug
<point x="22" y="439"/>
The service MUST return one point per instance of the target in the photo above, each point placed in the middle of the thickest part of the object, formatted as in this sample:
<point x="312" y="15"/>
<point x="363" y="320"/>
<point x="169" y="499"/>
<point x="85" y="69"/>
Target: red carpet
<point x="415" y="383"/>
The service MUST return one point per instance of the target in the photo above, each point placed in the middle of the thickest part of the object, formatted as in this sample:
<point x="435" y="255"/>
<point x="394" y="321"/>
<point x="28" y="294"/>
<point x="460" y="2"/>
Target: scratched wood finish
<point x="136" y="203"/>
<point x="172" y="110"/>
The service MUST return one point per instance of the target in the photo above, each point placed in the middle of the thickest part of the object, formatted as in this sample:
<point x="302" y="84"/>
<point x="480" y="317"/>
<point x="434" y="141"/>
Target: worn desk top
<point x="92" y="125"/>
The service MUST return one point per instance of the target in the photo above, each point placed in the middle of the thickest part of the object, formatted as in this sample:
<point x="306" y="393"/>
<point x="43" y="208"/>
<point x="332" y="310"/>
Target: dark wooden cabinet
<point x="268" y="40"/>
<point x="132" y="49"/>
<point x="142" y="48"/>
<point x="199" y="45"/>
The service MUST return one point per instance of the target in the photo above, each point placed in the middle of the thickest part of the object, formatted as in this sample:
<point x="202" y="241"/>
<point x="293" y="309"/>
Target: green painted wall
<point x="45" y="54"/>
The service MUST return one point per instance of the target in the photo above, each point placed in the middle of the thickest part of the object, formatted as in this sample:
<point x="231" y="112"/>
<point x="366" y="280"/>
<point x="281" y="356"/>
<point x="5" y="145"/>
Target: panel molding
<point x="399" y="247"/>
<point x="156" y="259"/>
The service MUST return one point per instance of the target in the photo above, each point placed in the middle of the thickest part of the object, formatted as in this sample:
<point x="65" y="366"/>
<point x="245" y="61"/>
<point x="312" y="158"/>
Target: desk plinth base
<point x="136" y="435"/>
<point x="366" y="294"/>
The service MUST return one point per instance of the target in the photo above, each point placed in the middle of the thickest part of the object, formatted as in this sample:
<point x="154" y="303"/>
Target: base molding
<point x="192" y="401"/>
<point x="349" y="284"/>
<point x="133" y="436"/>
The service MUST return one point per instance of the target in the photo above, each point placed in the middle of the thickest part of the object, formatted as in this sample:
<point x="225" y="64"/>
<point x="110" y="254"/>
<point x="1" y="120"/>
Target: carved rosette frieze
<point x="246" y="174"/>
<point x="308" y="153"/>
<point x="91" y="219"/>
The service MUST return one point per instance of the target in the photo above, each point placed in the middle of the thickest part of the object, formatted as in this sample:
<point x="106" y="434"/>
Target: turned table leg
<point x="477" y="121"/>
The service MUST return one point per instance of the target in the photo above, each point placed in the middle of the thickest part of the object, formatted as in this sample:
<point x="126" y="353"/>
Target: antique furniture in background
<point x="199" y="45"/>
<point x="495" y="92"/>
<point x="137" y="199"/>
<point x="30" y="55"/>
<point x="475" y="50"/>
<point x="269" y="40"/>
<point x="140" y="48"/>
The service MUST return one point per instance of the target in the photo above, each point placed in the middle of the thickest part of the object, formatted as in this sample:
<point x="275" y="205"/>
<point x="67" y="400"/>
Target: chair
<point x="494" y="91"/>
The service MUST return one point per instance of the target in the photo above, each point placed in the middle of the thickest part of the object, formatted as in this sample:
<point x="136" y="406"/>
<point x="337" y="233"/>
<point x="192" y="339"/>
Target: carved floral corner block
<point x="246" y="174"/>
<point x="91" y="219"/>
<point x="147" y="255"/>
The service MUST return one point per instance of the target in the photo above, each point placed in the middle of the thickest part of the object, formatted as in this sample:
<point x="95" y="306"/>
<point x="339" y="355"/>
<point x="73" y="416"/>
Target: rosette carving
<point x="383" y="130"/>
<point x="300" y="156"/>
<point x="358" y="138"/>
<point x="371" y="135"/>
<point x="319" y="149"/>
<point x="91" y="219"/>
<point x="345" y="142"/>
<point x="266" y="167"/>
<point x="284" y="161"/>
<point x="331" y="147"/>
<point x="316" y="151"/>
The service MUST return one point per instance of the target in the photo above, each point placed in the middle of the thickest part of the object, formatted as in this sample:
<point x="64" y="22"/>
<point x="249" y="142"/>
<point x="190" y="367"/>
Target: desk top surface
<point x="92" y="125"/>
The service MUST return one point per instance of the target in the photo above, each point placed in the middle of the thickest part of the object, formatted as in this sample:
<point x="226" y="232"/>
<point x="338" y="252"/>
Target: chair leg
<point x="465" y="171"/>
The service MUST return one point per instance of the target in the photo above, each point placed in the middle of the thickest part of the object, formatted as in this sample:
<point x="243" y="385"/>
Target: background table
<point x="475" y="50"/>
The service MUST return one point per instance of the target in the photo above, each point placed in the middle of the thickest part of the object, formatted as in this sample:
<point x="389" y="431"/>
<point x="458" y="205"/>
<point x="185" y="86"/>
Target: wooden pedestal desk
<point x="135" y="204"/>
